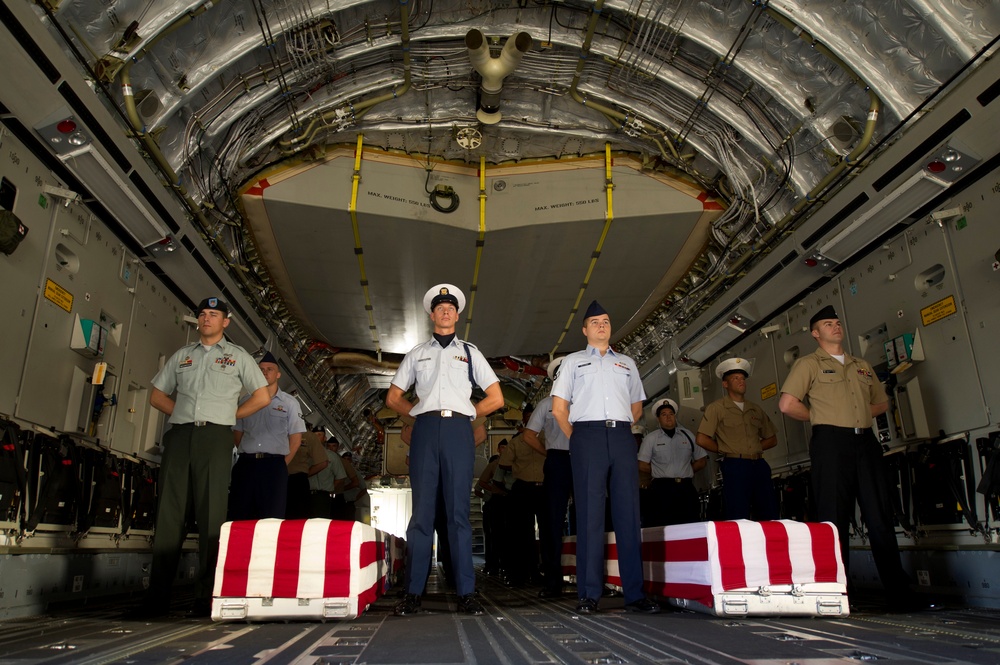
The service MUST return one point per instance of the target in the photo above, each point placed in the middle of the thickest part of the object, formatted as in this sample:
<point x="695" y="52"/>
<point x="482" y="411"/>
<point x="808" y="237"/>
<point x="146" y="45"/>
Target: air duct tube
<point x="494" y="70"/>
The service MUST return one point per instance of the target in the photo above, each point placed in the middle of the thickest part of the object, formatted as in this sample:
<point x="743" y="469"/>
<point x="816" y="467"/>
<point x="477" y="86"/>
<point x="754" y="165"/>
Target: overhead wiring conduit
<point x="616" y="118"/>
<point x="356" y="111"/>
<point x="790" y="220"/>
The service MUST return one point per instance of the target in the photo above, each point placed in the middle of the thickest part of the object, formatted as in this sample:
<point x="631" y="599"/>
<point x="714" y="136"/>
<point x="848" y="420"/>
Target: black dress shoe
<point x="144" y="612"/>
<point x="643" y="606"/>
<point x="468" y="604"/>
<point x="913" y="603"/>
<point x="409" y="605"/>
<point x="201" y="609"/>
<point x="586" y="606"/>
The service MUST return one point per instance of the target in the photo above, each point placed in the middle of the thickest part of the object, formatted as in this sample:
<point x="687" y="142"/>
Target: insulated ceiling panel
<point x="543" y="225"/>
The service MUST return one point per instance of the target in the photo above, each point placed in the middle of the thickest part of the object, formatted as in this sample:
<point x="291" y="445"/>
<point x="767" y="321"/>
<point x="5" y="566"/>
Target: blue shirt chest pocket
<point x="458" y="370"/>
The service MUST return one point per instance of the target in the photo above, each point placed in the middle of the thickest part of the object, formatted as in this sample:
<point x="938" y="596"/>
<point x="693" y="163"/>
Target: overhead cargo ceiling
<point x="723" y="126"/>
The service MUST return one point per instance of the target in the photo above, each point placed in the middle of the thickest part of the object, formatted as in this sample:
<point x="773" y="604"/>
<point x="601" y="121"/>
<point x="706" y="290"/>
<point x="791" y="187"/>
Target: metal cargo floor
<point x="517" y="628"/>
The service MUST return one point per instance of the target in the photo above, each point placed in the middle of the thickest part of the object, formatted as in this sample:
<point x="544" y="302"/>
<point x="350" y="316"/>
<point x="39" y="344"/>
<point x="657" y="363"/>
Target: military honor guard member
<point x="669" y="454"/>
<point x="205" y="379"/>
<point x="740" y="432"/>
<point x="526" y="461"/>
<point x="266" y="441"/>
<point x="595" y="399"/>
<point x="443" y="371"/>
<point x="557" y="486"/>
<point x="839" y="394"/>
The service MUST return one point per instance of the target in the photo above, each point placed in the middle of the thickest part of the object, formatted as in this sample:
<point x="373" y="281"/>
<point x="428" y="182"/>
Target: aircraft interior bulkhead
<point x="714" y="173"/>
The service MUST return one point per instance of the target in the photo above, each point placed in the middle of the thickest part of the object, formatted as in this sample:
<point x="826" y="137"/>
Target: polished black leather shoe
<point x="643" y="606"/>
<point x="913" y="603"/>
<point x="409" y="605"/>
<point x="145" y="612"/>
<point x="468" y="604"/>
<point x="586" y="606"/>
<point x="201" y="609"/>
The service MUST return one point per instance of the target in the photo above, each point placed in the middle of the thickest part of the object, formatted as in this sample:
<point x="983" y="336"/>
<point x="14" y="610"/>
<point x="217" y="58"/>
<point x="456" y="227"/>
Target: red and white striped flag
<point x="698" y="561"/>
<point x="314" y="558"/>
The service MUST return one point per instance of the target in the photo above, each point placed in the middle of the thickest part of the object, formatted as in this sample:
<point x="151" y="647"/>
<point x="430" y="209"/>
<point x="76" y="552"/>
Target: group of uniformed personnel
<point x="596" y="397"/>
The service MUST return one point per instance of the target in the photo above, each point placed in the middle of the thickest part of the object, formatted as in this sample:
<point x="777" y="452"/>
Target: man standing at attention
<point x="267" y="440"/>
<point x="207" y="377"/>
<point x="443" y="371"/>
<point x="669" y="454"/>
<point x="740" y="431"/>
<point x="557" y="486"/>
<point x="595" y="399"/>
<point x="843" y="396"/>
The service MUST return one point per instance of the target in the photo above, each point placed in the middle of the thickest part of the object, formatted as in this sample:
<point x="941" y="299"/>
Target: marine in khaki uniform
<point x="526" y="503"/>
<point x="839" y="394"/>
<point x="543" y="432"/>
<point x="309" y="459"/>
<point x="198" y="387"/>
<point x="740" y="432"/>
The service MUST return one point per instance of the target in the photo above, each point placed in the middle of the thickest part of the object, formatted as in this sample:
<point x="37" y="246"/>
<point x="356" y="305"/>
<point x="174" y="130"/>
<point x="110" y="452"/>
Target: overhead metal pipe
<point x="494" y="70"/>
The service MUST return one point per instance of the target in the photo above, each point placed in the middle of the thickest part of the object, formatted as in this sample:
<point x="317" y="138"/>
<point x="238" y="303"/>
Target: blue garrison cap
<point x="268" y="358"/>
<point x="594" y="309"/>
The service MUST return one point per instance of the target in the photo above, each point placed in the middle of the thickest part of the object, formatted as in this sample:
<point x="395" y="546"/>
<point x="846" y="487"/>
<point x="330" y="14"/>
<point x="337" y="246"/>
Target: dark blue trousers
<point x="442" y="455"/>
<point x="599" y="455"/>
<point x="557" y="488"/>
<point x="259" y="488"/>
<point x="747" y="489"/>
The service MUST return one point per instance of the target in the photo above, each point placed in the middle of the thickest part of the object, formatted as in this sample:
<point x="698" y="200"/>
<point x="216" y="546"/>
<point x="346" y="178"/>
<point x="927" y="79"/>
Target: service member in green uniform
<point x="740" y="431"/>
<point x="198" y="387"/>
<point x="839" y="394"/>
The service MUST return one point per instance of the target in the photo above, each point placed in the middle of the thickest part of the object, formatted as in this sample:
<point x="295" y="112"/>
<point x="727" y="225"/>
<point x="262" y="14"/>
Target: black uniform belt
<point x="602" y="423"/>
<point x="445" y="413"/>
<point x="671" y="480"/>
<point x="323" y="492"/>
<point x="261" y="455"/>
<point x="199" y="423"/>
<point x="844" y="430"/>
<point x="753" y="456"/>
<point x="556" y="451"/>
<point x="533" y="483"/>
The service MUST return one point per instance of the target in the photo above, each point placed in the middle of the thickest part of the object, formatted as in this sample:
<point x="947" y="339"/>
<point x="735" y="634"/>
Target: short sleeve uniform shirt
<point x="838" y="394"/>
<point x="208" y="382"/>
<point x="267" y="430"/>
